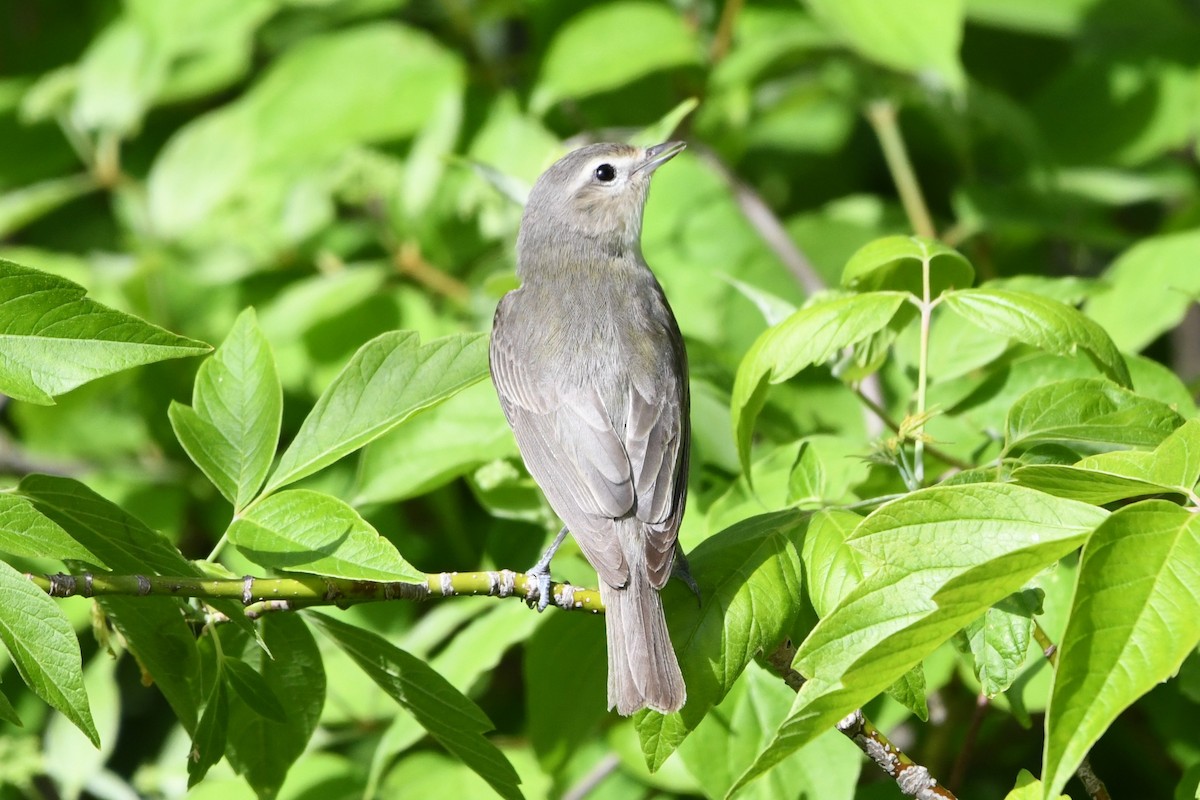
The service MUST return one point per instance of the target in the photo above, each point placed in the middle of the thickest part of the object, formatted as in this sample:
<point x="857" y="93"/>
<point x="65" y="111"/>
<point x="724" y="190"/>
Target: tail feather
<point x="643" y="671"/>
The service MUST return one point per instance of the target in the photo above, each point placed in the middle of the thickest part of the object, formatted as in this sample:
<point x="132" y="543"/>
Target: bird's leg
<point x="682" y="571"/>
<point x="539" y="573"/>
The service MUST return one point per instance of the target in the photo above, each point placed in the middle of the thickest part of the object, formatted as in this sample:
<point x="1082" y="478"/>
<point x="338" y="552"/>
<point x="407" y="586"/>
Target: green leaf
<point x="208" y="742"/>
<point x="640" y="38"/>
<point x="27" y="533"/>
<point x="155" y="628"/>
<point x="665" y="128"/>
<point x="20" y="207"/>
<point x="1041" y="322"/>
<point x="44" y="649"/>
<point x="118" y="76"/>
<point x="909" y="691"/>
<point x="1172" y="467"/>
<point x="812" y="335"/>
<point x="352" y="75"/>
<point x="751" y="591"/>
<point x="831" y="567"/>
<point x="729" y="738"/>
<point x="232" y="427"/>
<point x="999" y="640"/>
<point x="1134" y="618"/>
<point x="934" y="561"/>
<point x="305" y="531"/>
<point x="1029" y="788"/>
<point x="1087" y="412"/>
<point x="896" y="263"/>
<point x="1157" y="273"/>
<point x="451" y="718"/>
<point x="8" y="713"/>
<point x="434" y="447"/>
<point x="920" y="37"/>
<point x="55" y="338"/>
<point x="260" y="749"/>
<point x="389" y="379"/>
<point x="253" y="690"/>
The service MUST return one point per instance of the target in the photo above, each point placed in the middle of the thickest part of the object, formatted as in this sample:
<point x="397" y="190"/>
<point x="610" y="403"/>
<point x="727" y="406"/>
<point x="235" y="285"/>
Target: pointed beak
<point x="658" y="155"/>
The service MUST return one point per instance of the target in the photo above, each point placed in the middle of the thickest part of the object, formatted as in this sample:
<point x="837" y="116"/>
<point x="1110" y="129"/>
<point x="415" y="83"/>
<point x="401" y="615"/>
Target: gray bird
<point x="591" y="371"/>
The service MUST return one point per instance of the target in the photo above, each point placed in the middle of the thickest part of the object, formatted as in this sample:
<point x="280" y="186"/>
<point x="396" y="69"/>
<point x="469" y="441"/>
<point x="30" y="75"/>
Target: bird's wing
<point x="573" y="452"/>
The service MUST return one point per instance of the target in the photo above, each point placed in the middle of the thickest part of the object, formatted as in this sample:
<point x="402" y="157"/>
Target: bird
<point x="590" y="367"/>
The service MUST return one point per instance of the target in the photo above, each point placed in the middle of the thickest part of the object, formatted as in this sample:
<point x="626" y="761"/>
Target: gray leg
<point x="539" y="573"/>
<point x="682" y="571"/>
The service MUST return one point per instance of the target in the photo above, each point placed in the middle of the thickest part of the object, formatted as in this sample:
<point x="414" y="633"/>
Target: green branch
<point x="287" y="594"/>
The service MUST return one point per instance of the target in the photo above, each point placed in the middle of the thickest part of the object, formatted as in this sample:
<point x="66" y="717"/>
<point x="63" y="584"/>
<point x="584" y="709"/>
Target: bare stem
<point x="882" y="414"/>
<point x="408" y="260"/>
<point x="922" y="373"/>
<point x="882" y="116"/>
<point x="724" y="37"/>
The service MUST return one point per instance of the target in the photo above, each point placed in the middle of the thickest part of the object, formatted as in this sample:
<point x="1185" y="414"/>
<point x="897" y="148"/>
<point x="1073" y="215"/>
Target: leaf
<point x="253" y="690"/>
<point x="8" y="713"/>
<point x="352" y="75"/>
<point x="389" y="379"/>
<point x="1134" y="618"/>
<point x="155" y="628"/>
<point x="19" y="207"/>
<point x="934" y="560"/>
<point x="1172" y="467"/>
<point x="434" y="447"/>
<point x="812" y="335"/>
<point x="909" y="691"/>
<point x="1029" y="788"/>
<point x="55" y="338"/>
<point x="1041" y="322"/>
<point x="1157" y="273"/>
<point x="665" y="128"/>
<point x="831" y="567"/>
<point x="232" y="427"/>
<point x="921" y="37"/>
<point x="640" y="38"/>
<point x="729" y="738"/>
<point x="896" y="263"/>
<point x="1087" y="412"/>
<point x="208" y="742"/>
<point x="44" y="649"/>
<point x="751" y="591"/>
<point x="999" y="640"/>
<point x="260" y="749"/>
<point x="305" y="531"/>
<point x="27" y="533"/>
<point x="451" y="718"/>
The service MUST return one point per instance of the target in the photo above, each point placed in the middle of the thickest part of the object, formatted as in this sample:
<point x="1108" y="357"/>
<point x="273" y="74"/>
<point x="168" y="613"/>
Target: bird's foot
<point x="538" y="582"/>
<point x="683" y="572"/>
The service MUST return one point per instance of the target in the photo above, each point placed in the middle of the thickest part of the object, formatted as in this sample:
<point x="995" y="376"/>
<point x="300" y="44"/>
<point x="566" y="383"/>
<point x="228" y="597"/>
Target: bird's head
<point x="596" y="193"/>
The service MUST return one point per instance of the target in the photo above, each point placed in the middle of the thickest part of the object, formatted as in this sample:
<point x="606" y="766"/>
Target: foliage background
<point x="354" y="167"/>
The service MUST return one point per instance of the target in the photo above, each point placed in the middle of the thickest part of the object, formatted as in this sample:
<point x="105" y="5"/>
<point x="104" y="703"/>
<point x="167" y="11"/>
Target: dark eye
<point x="605" y="173"/>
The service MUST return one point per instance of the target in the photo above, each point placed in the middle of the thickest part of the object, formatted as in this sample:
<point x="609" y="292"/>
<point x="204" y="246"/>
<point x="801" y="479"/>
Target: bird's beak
<point x="658" y="155"/>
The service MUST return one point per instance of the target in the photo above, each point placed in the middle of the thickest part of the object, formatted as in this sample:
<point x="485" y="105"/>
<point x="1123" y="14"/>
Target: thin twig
<point x="594" y="777"/>
<point x="913" y="779"/>
<point x="882" y="116"/>
<point x="765" y="223"/>
<point x="409" y="261"/>
<point x="724" y="36"/>
<point x="959" y="770"/>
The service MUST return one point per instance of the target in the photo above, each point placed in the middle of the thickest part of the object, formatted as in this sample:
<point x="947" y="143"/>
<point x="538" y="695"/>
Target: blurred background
<point x="355" y="166"/>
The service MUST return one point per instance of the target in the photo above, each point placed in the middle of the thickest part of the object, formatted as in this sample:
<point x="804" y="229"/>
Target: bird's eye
<point x="605" y="173"/>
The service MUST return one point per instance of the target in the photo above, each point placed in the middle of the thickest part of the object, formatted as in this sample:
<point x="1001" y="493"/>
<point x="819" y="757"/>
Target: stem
<point x="882" y="116"/>
<point x="882" y="414"/>
<point x="724" y="35"/>
<point x="922" y="373"/>
<point x="409" y="261"/>
<point x="289" y="594"/>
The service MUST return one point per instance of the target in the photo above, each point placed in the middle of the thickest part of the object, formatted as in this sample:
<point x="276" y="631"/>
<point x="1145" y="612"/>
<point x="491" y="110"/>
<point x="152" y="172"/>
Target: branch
<point x="289" y="594"/>
<point x="913" y="779"/>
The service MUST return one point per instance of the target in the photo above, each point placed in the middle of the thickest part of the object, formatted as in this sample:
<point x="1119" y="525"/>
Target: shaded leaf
<point x="208" y="742"/>
<point x="896" y="263"/>
<point x="27" y="533"/>
<point x="999" y="640"/>
<point x="253" y="689"/>
<point x="43" y="647"/>
<point x="450" y="717"/>
<point x="751" y="592"/>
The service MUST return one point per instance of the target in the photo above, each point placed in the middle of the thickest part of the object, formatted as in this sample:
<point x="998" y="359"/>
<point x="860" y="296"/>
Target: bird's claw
<point x="538" y="588"/>
<point x="683" y="571"/>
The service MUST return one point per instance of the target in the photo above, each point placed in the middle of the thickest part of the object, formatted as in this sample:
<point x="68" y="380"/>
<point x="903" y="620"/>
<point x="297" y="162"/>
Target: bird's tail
<point x="642" y="669"/>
